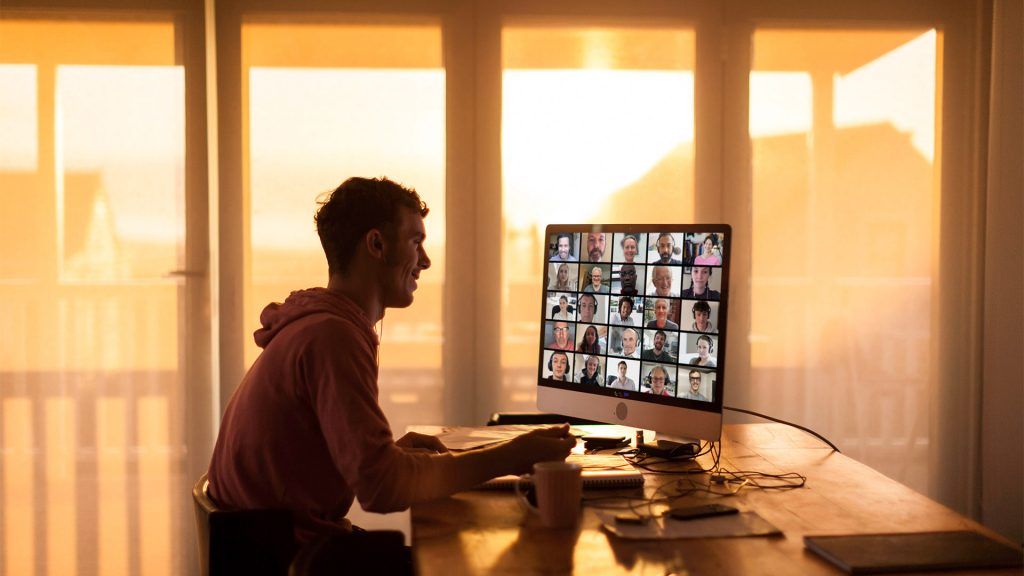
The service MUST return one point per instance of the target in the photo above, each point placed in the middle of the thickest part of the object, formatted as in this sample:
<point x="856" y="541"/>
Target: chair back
<point x="254" y="542"/>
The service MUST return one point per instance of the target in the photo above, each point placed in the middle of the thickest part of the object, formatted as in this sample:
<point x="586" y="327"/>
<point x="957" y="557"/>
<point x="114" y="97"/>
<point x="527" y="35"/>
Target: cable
<point x="780" y="421"/>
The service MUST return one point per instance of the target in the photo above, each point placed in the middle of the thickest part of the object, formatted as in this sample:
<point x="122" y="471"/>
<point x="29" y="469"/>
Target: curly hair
<point x="354" y="208"/>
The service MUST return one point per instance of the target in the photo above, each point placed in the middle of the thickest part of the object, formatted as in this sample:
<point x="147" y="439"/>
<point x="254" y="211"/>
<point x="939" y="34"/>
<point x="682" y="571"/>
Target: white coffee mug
<point x="559" y="489"/>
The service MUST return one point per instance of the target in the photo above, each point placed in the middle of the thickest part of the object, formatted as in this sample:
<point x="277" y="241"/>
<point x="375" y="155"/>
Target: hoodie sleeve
<point x="340" y="371"/>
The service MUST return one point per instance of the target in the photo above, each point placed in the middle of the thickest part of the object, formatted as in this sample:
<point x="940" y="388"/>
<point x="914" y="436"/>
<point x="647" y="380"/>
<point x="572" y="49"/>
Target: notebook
<point x="917" y="552"/>
<point x="599" y="471"/>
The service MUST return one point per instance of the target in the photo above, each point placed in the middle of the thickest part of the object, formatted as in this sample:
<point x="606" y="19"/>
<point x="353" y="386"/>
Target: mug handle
<point x="521" y="496"/>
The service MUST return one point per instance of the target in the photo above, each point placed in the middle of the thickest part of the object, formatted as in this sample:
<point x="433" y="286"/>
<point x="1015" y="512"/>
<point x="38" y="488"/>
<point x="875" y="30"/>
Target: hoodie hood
<point x="302" y="303"/>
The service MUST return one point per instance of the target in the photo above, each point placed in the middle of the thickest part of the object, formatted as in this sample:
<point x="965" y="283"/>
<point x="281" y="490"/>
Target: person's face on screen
<point x="665" y="247"/>
<point x="561" y="334"/>
<point x="662" y="281"/>
<point x="707" y="247"/>
<point x="694" y="381"/>
<point x="563" y="248"/>
<point x="703" y="348"/>
<point x="406" y="258"/>
<point x="657" y="381"/>
<point x="563" y="303"/>
<point x="595" y="277"/>
<point x="628" y="342"/>
<point x="625" y="309"/>
<point x="563" y="274"/>
<point x="702" y="318"/>
<point x="591" y="366"/>
<point x="627" y="275"/>
<point x="622" y="370"/>
<point x="629" y="249"/>
<point x="699" y="275"/>
<point x="590" y="337"/>
<point x="559" y="362"/>
<point x="659" y="342"/>
<point x="595" y="246"/>
<point x="588" y="307"/>
<point x="661" y="311"/>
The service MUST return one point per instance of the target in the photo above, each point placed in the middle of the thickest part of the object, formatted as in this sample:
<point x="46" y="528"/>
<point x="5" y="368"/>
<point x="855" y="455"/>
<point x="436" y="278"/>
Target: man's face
<point x="662" y="281"/>
<point x="559" y="362"/>
<point x="661" y="312"/>
<point x="595" y="246"/>
<point x="628" y="342"/>
<point x="595" y="276"/>
<point x="694" y="381"/>
<point x="659" y="342"/>
<point x="622" y="370"/>
<point x="561" y="333"/>
<point x="563" y="248"/>
<point x="588" y="307"/>
<point x="665" y="247"/>
<point x="591" y="366"/>
<point x="699" y="275"/>
<point x="625" y="309"/>
<point x="405" y="259"/>
<point x="702" y="319"/>
<point x="657" y="381"/>
<point x="627" y="276"/>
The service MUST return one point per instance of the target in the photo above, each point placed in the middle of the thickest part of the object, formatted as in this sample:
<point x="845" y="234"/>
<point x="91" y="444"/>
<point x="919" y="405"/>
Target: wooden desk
<point x="487" y="533"/>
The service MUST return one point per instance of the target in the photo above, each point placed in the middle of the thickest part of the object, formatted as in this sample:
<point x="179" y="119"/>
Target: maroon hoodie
<point x="304" y="431"/>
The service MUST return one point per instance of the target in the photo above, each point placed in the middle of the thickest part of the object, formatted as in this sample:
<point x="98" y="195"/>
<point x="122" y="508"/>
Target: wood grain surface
<point x="482" y="532"/>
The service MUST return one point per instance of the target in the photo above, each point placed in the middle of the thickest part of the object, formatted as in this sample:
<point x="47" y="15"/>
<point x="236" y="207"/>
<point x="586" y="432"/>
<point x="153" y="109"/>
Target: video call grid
<point x="610" y="353"/>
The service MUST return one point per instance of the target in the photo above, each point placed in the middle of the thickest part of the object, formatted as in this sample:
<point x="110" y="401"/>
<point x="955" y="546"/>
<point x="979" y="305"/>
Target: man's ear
<point x="375" y="243"/>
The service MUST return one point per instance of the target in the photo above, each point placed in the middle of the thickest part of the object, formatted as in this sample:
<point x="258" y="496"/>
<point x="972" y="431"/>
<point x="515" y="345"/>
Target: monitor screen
<point x="633" y="324"/>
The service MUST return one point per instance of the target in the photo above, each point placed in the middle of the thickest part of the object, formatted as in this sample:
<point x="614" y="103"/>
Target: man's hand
<point x="541" y="445"/>
<point x="416" y="442"/>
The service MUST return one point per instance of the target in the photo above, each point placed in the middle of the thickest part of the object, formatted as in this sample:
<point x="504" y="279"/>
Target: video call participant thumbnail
<point x="627" y="311"/>
<point x="659" y="347"/>
<point x="658" y="316"/>
<point x="666" y="249"/>
<point x="699" y="385"/>
<point x="589" y="369"/>
<point x="592" y="308"/>
<point x="592" y="340"/>
<point x="700" y="289"/>
<point x="663" y="280"/>
<point x="628" y="342"/>
<point x="660" y="380"/>
<point x="563" y="276"/>
<point x="709" y="253"/>
<point x="627" y="248"/>
<point x="563" y="249"/>
<point x="596" y="245"/>
<point x="625" y="375"/>
<point x="702" y="317"/>
<point x="561" y="308"/>
<point x="705" y="348"/>
<point x="595" y="278"/>
<point x="625" y="280"/>
<point x="558" y="366"/>
<point x="559" y="336"/>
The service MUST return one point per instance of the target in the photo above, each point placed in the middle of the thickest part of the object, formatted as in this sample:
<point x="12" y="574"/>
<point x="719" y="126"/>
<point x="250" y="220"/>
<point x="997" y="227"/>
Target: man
<point x="627" y="280"/>
<point x="659" y="378"/>
<point x="658" y="352"/>
<point x="621" y="382"/>
<point x="661" y="321"/>
<point x="629" y="342"/>
<point x="694" y="392"/>
<point x="699" y="289"/>
<point x="562" y="338"/>
<point x="303" y="431"/>
<point x="666" y="248"/>
<point x="588" y="307"/>
<point x="625" y="311"/>
<point x="559" y="364"/>
<point x="562" y="249"/>
<point x="662" y="281"/>
<point x="595" y="284"/>
<point x="595" y="246"/>
<point x="702" y="317"/>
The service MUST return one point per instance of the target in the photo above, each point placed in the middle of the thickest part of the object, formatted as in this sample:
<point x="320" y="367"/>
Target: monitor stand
<point x="671" y="447"/>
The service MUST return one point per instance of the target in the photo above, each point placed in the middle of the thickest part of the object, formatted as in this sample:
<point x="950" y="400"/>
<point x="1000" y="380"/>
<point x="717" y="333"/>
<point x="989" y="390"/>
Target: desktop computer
<point x="633" y="326"/>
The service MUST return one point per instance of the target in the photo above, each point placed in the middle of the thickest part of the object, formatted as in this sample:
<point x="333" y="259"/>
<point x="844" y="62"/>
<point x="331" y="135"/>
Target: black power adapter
<point x="669" y="450"/>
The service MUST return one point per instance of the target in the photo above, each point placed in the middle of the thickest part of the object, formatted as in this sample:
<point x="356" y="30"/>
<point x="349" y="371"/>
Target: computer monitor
<point x="633" y="326"/>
